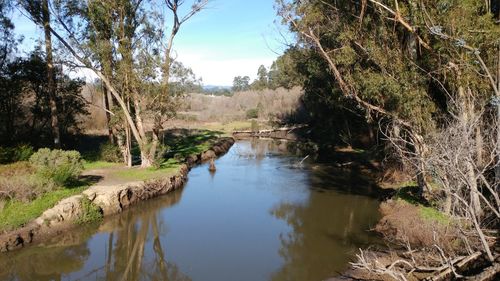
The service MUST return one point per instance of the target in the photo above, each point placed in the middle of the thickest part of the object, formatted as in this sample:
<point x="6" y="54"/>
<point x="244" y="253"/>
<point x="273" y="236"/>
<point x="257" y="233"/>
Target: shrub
<point x="110" y="153"/>
<point x="24" y="188"/>
<point x="23" y="152"/>
<point x="14" y="154"/>
<point x="61" y="166"/>
<point x="90" y="212"/>
<point x="252" y="113"/>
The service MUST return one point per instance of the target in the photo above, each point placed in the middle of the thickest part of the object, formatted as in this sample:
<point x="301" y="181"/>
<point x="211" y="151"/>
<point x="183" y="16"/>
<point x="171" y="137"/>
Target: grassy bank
<point x="17" y="213"/>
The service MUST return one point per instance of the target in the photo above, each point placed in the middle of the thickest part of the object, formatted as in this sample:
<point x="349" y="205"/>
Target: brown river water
<point x="258" y="217"/>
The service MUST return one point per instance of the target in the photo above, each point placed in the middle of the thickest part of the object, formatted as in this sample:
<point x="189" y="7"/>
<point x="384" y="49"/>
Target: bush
<point x="110" y="153"/>
<point x="15" y="154"/>
<point x="63" y="167"/>
<point x="24" y="188"/>
<point x="252" y="113"/>
<point x="90" y="212"/>
<point x="19" y="182"/>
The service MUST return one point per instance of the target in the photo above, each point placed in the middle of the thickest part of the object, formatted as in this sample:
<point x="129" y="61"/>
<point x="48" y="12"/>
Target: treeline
<point x="127" y="44"/>
<point x="420" y="77"/>
<point x="282" y="73"/>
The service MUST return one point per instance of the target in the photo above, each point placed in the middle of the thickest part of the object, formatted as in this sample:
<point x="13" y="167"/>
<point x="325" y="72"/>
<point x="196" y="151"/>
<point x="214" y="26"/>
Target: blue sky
<point x="229" y="38"/>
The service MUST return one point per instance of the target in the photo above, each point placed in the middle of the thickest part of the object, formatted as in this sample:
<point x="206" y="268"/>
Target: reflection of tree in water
<point x="326" y="232"/>
<point x="139" y="229"/>
<point x="134" y="250"/>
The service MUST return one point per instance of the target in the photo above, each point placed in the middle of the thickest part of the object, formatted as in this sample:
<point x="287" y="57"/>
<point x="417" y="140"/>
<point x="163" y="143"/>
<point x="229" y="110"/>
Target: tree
<point x="137" y="38"/>
<point x="262" y="79"/>
<point x="25" y="106"/>
<point x="284" y="72"/>
<point x="7" y="42"/>
<point x="39" y="13"/>
<point x="241" y="83"/>
<point x="419" y="73"/>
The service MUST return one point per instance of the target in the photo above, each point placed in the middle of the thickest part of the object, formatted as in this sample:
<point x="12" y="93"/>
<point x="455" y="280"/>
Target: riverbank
<point x="107" y="199"/>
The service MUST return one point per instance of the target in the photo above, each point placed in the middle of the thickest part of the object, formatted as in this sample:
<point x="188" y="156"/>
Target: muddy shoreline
<point x="110" y="199"/>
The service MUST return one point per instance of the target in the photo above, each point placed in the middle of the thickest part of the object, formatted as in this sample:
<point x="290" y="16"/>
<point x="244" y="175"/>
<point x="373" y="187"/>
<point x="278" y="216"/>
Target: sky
<point x="230" y="38"/>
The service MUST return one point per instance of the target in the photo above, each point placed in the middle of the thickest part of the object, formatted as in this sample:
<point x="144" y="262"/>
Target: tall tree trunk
<point x="128" y="140"/>
<point x="107" y="106"/>
<point x="51" y="85"/>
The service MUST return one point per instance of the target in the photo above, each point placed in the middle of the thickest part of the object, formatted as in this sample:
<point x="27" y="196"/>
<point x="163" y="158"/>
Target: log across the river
<point x="288" y="133"/>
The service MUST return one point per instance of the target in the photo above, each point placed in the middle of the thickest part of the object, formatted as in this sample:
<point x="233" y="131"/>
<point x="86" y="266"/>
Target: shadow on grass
<point x="411" y="194"/>
<point x="181" y="143"/>
<point x="82" y="181"/>
<point x="185" y="142"/>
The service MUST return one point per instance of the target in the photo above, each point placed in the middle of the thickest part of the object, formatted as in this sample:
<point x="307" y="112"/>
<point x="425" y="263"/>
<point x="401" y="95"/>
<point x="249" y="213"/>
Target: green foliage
<point x="431" y="214"/>
<point x="110" y="153"/>
<point x="262" y="81"/>
<point x="252" y="113"/>
<point x="13" y="154"/>
<point x="25" y="111"/>
<point x="241" y="83"/>
<point x="385" y="64"/>
<point x="63" y="167"/>
<point x="90" y="212"/>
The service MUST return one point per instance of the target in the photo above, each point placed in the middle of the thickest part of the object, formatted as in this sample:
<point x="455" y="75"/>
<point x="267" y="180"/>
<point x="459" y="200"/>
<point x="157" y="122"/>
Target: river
<point x="258" y="217"/>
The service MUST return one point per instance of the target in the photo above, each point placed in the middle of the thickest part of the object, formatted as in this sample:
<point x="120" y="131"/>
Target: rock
<point x="212" y="168"/>
<point x="207" y="155"/>
<point x="68" y="209"/>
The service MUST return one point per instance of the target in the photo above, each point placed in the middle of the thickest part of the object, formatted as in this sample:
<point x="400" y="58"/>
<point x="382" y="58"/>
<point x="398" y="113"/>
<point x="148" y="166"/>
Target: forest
<point x="410" y="86"/>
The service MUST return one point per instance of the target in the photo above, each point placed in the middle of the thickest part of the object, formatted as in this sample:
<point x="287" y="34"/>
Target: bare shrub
<point x="404" y="223"/>
<point x="18" y="182"/>
<point x="459" y="160"/>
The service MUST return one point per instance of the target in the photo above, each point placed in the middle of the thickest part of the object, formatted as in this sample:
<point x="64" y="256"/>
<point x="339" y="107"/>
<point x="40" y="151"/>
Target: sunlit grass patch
<point x="167" y="168"/>
<point x="91" y="165"/>
<point x="17" y="213"/>
<point x="431" y="214"/>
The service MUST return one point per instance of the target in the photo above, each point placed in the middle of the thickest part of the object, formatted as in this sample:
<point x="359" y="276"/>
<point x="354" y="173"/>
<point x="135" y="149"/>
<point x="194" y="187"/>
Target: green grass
<point x="140" y="174"/>
<point x="431" y="214"/>
<point x="91" y="165"/>
<point x="16" y="213"/>
<point x="189" y="143"/>
<point x="229" y="127"/>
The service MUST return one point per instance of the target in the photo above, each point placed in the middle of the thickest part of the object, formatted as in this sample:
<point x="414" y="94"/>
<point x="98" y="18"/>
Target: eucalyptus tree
<point x="38" y="11"/>
<point x="7" y="40"/>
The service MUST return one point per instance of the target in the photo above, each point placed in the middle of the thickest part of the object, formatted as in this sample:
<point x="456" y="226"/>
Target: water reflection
<point x="128" y="248"/>
<point x="257" y="218"/>
<point x="320" y="244"/>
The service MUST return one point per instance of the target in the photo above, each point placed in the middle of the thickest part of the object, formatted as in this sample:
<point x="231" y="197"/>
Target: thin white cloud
<point x="216" y="71"/>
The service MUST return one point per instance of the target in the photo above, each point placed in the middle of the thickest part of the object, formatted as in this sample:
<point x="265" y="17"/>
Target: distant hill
<point x="215" y="87"/>
<point x="217" y="90"/>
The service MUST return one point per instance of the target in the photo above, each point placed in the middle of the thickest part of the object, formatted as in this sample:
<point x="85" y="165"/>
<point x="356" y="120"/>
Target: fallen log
<point x="460" y="265"/>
